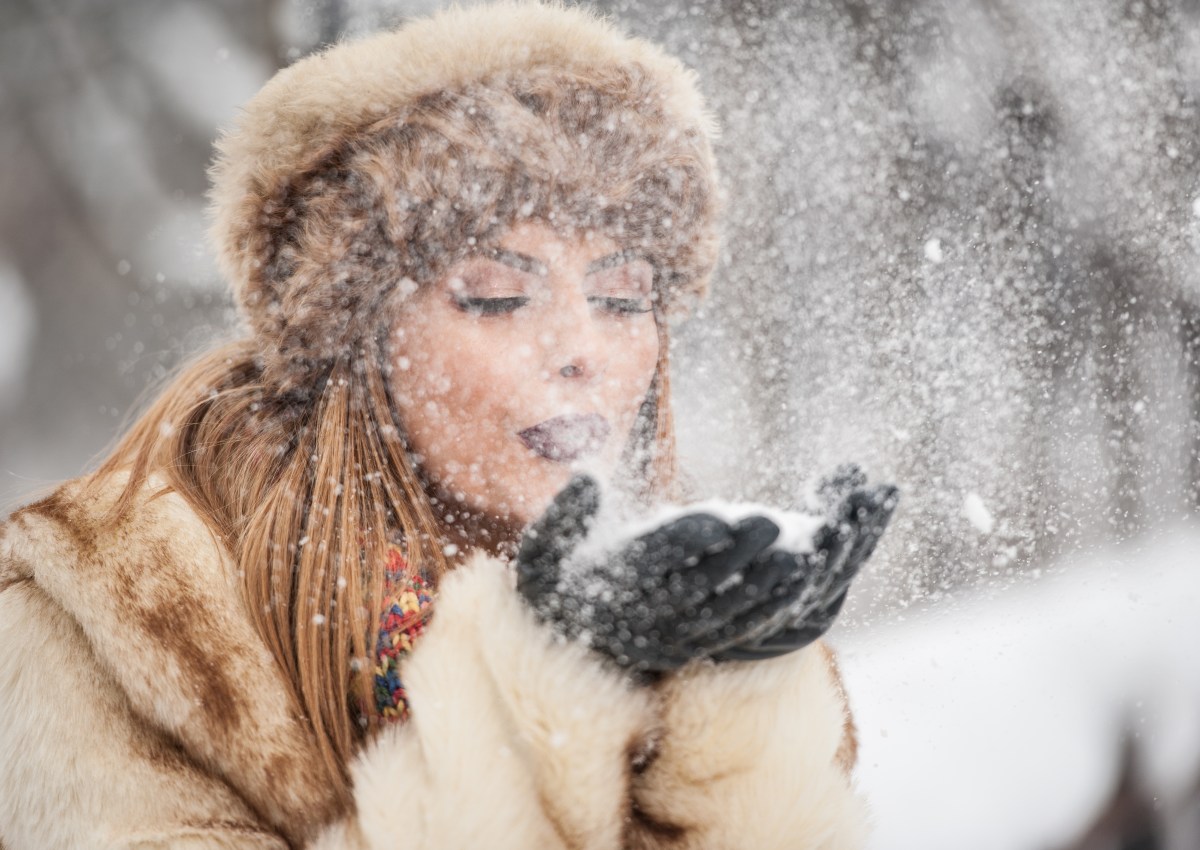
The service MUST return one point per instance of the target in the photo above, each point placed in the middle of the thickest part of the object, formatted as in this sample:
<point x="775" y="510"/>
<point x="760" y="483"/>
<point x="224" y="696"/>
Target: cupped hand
<point x="653" y="603"/>
<point x="805" y="604"/>
<point x="696" y="586"/>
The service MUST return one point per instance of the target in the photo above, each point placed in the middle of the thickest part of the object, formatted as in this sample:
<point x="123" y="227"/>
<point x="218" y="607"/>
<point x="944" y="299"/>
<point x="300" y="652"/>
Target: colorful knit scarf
<point x="406" y="612"/>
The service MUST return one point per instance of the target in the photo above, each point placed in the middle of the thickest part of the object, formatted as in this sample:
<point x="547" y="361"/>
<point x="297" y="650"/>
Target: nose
<point x="574" y="344"/>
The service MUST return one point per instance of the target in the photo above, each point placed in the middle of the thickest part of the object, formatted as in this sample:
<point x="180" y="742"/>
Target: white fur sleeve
<point x="515" y="739"/>
<point x="752" y="755"/>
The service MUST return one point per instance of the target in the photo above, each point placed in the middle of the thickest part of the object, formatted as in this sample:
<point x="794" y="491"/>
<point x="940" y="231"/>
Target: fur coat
<point x="139" y="708"/>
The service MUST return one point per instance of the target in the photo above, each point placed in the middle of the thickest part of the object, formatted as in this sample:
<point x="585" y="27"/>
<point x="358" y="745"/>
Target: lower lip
<point x="566" y="443"/>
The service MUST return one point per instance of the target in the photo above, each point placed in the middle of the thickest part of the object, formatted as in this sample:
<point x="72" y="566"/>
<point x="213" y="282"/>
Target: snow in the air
<point x="978" y="514"/>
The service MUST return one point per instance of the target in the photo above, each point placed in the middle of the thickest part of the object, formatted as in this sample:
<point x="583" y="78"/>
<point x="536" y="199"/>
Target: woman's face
<point x="523" y="362"/>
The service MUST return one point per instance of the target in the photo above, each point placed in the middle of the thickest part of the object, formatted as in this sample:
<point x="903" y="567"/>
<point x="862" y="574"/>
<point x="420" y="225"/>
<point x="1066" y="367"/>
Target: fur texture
<point x="147" y="613"/>
<point x="138" y="709"/>
<point x="547" y="728"/>
<point x="752" y="755"/>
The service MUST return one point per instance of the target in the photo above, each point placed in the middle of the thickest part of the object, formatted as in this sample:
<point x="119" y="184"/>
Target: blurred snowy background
<point x="963" y="250"/>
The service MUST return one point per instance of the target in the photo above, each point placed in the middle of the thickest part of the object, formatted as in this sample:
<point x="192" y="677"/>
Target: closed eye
<point x="491" y="306"/>
<point x="621" y="306"/>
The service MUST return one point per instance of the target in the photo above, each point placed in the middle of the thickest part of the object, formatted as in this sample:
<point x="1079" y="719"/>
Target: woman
<point x="457" y="247"/>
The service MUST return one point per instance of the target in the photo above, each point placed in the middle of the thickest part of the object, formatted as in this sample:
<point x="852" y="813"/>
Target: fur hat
<point x="375" y="164"/>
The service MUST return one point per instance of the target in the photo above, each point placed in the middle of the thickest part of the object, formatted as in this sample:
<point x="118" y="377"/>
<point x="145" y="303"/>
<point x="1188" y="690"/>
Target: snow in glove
<point x="695" y="586"/>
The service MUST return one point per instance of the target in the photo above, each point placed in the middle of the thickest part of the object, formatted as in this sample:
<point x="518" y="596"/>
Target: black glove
<point x="835" y="488"/>
<point x="654" y="603"/>
<point x="806" y="604"/>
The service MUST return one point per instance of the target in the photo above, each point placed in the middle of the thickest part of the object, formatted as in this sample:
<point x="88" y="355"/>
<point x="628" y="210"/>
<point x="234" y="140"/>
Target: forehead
<point x="556" y="246"/>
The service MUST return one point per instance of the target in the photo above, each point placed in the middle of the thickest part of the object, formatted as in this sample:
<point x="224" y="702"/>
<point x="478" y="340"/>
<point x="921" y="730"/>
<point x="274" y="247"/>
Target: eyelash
<point x="500" y="306"/>
<point x="491" y="306"/>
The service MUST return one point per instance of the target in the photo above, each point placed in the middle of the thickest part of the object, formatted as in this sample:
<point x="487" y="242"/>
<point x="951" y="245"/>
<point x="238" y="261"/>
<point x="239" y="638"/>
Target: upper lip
<point x="567" y="438"/>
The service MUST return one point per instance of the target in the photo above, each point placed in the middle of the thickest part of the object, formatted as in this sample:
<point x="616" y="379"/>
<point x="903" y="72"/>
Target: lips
<point x="566" y="438"/>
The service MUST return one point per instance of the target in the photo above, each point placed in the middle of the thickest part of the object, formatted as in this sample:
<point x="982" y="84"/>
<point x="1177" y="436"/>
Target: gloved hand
<point x="679" y="592"/>
<point x="836" y="487"/>
<point x="807" y="602"/>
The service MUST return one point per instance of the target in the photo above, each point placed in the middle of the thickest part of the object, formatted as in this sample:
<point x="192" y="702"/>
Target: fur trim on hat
<point x="290" y="253"/>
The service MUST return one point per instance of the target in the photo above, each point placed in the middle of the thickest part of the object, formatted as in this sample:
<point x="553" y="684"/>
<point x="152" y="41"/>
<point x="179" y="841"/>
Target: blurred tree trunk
<point x="332" y="19"/>
<point x="1190" y="341"/>
<point x="1130" y="819"/>
<point x="1118" y="316"/>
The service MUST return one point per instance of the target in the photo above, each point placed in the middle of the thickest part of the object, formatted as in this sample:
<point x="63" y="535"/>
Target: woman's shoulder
<point x="147" y="604"/>
<point x="77" y="529"/>
<point x="132" y="580"/>
<point x="151" y="584"/>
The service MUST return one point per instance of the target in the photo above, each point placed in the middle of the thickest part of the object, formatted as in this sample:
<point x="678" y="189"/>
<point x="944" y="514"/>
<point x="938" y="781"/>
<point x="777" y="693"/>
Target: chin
<point x="529" y="496"/>
<point x="525" y="495"/>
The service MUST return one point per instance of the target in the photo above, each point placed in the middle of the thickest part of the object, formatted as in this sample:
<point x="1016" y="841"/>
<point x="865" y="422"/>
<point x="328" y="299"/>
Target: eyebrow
<point x="521" y="262"/>
<point x="619" y="258"/>
<point x="532" y="265"/>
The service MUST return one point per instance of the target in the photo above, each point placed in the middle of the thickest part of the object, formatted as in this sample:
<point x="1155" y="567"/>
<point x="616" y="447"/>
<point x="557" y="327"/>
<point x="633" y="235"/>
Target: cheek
<point x="633" y="359"/>
<point x="454" y="385"/>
